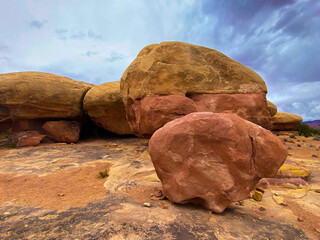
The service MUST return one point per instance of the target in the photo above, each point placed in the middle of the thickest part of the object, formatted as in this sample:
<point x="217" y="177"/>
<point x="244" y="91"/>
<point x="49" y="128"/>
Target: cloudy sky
<point x="95" y="40"/>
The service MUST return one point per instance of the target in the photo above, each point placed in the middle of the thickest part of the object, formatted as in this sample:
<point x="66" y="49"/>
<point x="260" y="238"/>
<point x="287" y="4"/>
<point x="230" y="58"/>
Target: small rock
<point x="317" y="230"/>
<point x="260" y="218"/>
<point x="316" y="138"/>
<point x="289" y="148"/>
<point x="292" y="136"/>
<point x="298" y="145"/>
<point x="262" y="209"/>
<point x="260" y="189"/>
<point x="285" y="139"/>
<point x="163" y="205"/>
<point x="147" y="204"/>
<point x="60" y="194"/>
<point x="7" y="213"/>
<point x="315" y="156"/>
<point x="158" y="193"/>
<point x="257" y="196"/>
<point x="311" y="145"/>
<point x="240" y="203"/>
<point x="300" y="219"/>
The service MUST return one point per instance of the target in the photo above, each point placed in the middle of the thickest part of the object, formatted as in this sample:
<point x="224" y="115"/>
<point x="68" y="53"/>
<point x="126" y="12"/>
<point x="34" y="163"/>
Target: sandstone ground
<point x="52" y="191"/>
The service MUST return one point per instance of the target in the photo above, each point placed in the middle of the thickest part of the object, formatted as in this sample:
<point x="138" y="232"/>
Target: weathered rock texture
<point x="213" y="159"/>
<point x="176" y="68"/>
<point x="63" y="131"/>
<point x="39" y="95"/>
<point x="152" y="112"/>
<point x="181" y="68"/>
<point x="104" y="105"/>
<point x="252" y="107"/>
<point x="272" y="108"/>
<point x="285" y="121"/>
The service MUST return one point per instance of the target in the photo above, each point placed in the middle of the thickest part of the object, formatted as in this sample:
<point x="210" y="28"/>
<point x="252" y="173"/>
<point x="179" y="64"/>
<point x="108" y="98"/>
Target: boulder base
<point x="147" y="115"/>
<point x="63" y="131"/>
<point x="151" y="113"/>
<point x="213" y="159"/>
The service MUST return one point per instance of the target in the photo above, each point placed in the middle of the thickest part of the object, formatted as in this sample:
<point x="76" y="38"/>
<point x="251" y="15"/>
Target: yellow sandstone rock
<point x="257" y="195"/>
<point x="181" y="68"/>
<point x="104" y="105"/>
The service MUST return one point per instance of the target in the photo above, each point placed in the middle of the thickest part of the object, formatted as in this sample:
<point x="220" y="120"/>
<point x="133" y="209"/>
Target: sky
<point x="96" y="40"/>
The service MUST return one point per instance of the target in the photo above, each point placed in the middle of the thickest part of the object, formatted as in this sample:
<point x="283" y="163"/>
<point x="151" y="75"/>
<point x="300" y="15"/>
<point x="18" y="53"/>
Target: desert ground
<point x="52" y="191"/>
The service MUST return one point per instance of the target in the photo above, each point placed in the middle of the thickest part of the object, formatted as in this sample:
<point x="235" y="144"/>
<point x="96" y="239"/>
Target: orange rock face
<point x="213" y="159"/>
<point x="152" y="112"/>
<point x="252" y="107"/>
<point x="63" y="131"/>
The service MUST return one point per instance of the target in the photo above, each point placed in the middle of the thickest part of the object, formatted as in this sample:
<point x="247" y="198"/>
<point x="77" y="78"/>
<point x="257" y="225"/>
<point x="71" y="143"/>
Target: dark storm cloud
<point x="37" y="24"/>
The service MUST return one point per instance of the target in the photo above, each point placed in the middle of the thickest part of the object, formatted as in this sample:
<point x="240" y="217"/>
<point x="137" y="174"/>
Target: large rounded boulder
<point x="213" y="159"/>
<point x="176" y="68"/>
<point x="37" y="95"/>
<point x="105" y="107"/>
<point x="285" y="121"/>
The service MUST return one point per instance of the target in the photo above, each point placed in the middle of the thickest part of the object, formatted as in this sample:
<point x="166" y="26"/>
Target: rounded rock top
<point x="183" y="68"/>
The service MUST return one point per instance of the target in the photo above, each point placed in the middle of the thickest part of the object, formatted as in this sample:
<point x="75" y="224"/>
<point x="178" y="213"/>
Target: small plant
<point x="103" y="174"/>
<point x="307" y="131"/>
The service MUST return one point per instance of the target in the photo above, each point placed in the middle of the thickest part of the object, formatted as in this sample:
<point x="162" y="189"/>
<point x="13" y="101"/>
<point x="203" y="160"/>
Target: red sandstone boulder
<point x="152" y="112"/>
<point x="63" y="131"/>
<point x="27" y="138"/>
<point x="252" y="107"/>
<point x="213" y="159"/>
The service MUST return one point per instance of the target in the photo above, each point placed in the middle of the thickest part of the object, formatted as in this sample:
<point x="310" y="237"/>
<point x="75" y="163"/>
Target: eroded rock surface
<point x="152" y="112"/>
<point x="171" y="68"/>
<point x="213" y="159"/>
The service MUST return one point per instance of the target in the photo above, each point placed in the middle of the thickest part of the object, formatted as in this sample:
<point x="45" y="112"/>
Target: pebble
<point x="300" y="219"/>
<point x="147" y="204"/>
<point x="257" y="196"/>
<point x="60" y="194"/>
<point x="262" y="209"/>
<point x="163" y="205"/>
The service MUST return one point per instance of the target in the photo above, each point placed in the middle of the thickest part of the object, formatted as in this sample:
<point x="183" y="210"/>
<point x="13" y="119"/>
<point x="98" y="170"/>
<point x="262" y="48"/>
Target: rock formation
<point x="63" y="131"/>
<point x="176" y="68"/>
<point x="213" y="159"/>
<point x="272" y="108"/>
<point x="33" y="98"/>
<point x="285" y="121"/>
<point x="41" y="95"/>
<point x="104" y="105"/>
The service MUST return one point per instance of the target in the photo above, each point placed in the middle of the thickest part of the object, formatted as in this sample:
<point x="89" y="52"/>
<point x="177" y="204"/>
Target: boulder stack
<point x="197" y="74"/>
<point x="33" y="98"/>
<point x="213" y="159"/>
